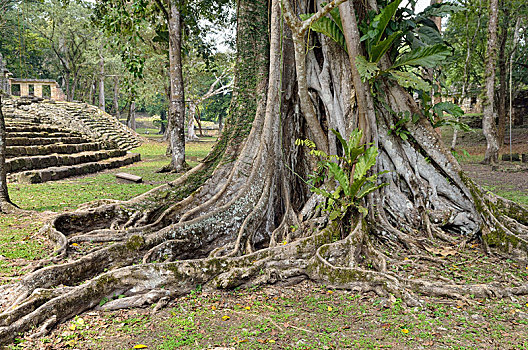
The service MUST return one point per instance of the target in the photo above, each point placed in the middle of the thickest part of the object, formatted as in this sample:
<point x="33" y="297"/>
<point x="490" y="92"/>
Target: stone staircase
<point x="51" y="141"/>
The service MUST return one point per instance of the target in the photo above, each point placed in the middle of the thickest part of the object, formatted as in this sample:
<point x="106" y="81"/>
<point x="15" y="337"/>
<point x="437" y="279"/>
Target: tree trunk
<point x="101" y="83"/>
<point x="191" y="134"/>
<point x="503" y="71"/>
<point x="489" y="127"/>
<point x="243" y="216"/>
<point x="131" y="120"/>
<point x="176" y="117"/>
<point x="467" y="65"/>
<point x="67" y="85"/>
<point x="116" y="97"/>
<point x="5" y="202"/>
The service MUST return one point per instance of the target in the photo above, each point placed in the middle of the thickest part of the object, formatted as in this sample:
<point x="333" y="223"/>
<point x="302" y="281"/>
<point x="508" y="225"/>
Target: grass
<point x="57" y="195"/>
<point x="19" y="238"/>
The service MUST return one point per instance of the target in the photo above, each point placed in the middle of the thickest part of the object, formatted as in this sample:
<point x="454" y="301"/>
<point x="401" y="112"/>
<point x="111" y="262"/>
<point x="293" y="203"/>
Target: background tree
<point x="488" y="121"/>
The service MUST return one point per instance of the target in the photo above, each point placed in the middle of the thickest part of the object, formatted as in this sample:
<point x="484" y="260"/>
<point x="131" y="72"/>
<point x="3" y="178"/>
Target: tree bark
<point x="489" y="127"/>
<point x="101" y="82"/>
<point x="503" y="71"/>
<point x="116" y="97"/>
<point x="131" y="120"/>
<point x="5" y="201"/>
<point x="176" y="117"/>
<point x="467" y="67"/>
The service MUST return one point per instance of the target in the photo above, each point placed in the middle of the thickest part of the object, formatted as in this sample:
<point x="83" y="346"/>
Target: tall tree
<point x="488" y="121"/>
<point x="243" y="216"/>
<point x="5" y="202"/>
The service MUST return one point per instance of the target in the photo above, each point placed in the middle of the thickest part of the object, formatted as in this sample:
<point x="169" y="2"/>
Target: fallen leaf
<point x="247" y="308"/>
<point x="444" y="251"/>
<point x="140" y="346"/>
<point x="225" y="318"/>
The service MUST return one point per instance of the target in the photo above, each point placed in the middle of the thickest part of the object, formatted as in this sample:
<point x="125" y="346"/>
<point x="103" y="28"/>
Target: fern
<point x="349" y="172"/>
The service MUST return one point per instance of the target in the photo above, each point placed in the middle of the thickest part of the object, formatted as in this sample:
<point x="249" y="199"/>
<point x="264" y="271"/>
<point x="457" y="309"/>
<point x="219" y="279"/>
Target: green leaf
<point x="327" y="27"/>
<point x="356" y="186"/>
<point x="365" y="162"/>
<point x="336" y="16"/>
<point x="381" y="21"/>
<point x="426" y="56"/>
<point x="344" y="143"/>
<point x="440" y="10"/>
<point x="368" y="188"/>
<point x="334" y="215"/>
<point x="362" y="210"/>
<point x="449" y="108"/>
<point x="430" y="36"/>
<point x="377" y="51"/>
<point x="339" y="174"/>
<point x="367" y="70"/>
<point x="410" y="80"/>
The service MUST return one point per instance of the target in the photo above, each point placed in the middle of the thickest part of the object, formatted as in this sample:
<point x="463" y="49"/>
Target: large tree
<point x="244" y="216"/>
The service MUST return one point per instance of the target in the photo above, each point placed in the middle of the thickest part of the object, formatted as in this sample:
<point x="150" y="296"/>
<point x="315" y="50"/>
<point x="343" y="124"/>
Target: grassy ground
<point x="19" y="238"/>
<point x="305" y="316"/>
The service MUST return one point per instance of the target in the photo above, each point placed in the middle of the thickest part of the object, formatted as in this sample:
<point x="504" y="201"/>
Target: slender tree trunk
<point x="176" y="117"/>
<point x="467" y="64"/>
<point x="503" y="70"/>
<point x="5" y="202"/>
<point x="101" y="82"/>
<point x="67" y="84"/>
<point x="488" y="122"/>
<point x="366" y="113"/>
<point x="116" y="97"/>
<point x="131" y="120"/>
<point x="191" y="133"/>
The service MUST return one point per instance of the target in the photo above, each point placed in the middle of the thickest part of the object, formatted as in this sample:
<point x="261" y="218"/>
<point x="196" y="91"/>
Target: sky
<point x="421" y="5"/>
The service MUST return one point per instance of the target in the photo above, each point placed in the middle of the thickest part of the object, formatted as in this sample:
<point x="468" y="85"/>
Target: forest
<point x="341" y="164"/>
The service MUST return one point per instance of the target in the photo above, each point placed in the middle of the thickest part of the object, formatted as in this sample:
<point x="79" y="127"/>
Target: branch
<point x="302" y="26"/>
<point x="320" y="14"/>
<point x="163" y="9"/>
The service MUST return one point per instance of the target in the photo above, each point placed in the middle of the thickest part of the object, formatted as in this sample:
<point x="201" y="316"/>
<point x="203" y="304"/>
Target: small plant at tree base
<point x="350" y="173"/>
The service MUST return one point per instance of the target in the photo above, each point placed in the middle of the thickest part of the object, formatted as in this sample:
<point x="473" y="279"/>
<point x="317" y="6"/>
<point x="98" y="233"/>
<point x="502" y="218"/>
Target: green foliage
<point x="349" y="172"/>
<point x="367" y="70"/>
<point x="331" y="27"/>
<point x="376" y="47"/>
<point x="425" y="56"/>
<point x="410" y="80"/>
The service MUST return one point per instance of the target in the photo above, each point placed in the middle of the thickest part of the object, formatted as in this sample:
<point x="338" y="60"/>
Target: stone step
<point x="35" y="141"/>
<point x="33" y="128"/>
<point x="21" y="151"/>
<point x="43" y="134"/>
<point x="57" y="173"/>
<point x="19" y="164"/>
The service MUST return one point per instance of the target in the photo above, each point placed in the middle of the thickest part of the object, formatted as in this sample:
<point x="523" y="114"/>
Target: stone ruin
<point x="51" y="140"/>
<point x="56" y="93"/>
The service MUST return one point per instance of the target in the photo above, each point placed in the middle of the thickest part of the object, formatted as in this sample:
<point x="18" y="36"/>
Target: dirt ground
<point x="304" y="316"/>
